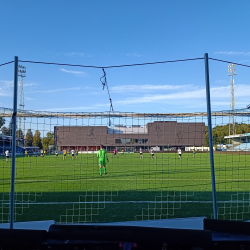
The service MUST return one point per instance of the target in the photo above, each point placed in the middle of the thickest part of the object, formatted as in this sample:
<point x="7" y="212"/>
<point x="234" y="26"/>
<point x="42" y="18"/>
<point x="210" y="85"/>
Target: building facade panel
<point x="158" y="133"/>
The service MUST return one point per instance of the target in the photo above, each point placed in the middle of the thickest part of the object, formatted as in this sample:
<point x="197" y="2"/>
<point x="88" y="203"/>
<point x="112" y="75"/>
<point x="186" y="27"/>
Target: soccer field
<point x="134" y="189"/>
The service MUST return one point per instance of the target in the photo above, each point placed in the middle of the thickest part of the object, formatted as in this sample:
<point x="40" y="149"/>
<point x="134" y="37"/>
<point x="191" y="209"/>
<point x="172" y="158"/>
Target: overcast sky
<point x="105" y="33"/>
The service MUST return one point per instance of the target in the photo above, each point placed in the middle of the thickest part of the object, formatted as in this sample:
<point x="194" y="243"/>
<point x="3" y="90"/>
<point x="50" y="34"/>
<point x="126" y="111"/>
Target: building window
<point x="131" y="141"/>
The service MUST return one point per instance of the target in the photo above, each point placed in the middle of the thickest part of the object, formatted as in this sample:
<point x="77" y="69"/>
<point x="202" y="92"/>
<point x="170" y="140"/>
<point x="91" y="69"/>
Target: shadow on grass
<point x="108" y="206"/>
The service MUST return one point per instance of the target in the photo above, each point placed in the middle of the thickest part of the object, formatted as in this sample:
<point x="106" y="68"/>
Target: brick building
<point x="162" y="134"/>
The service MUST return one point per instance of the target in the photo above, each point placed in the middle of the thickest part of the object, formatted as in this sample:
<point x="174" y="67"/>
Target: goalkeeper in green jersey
<point x="102" y="155"/>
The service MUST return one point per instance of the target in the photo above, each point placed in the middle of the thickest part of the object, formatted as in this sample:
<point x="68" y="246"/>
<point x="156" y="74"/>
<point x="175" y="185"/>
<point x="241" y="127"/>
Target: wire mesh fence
<point x="158" y="165"/>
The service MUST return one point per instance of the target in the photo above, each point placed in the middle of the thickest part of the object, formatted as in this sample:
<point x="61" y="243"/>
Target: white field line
<point x="126" y="179"/>
<point x="119" y="165"/>
<point x="170" y="168"/>
<point x="117" y="202"/>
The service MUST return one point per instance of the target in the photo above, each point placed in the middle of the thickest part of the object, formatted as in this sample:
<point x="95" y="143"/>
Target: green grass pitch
<point x="134" y="189"/>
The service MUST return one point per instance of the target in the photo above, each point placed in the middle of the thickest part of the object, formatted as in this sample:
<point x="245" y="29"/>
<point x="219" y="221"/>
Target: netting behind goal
<point x="158" y="164"/>
<point x="159" y="168"/>
<point x="232" y="156"/>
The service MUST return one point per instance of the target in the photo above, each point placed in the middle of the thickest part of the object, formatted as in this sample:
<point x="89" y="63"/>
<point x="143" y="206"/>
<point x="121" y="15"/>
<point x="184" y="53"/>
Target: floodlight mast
<point x="232" y="72"/>
<point x="22" y="74"/>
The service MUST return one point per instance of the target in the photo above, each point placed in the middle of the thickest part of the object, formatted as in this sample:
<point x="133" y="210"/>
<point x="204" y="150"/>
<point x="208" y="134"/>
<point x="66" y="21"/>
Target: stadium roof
<point x="237" y="136"/>
<point x="8" y="138"/>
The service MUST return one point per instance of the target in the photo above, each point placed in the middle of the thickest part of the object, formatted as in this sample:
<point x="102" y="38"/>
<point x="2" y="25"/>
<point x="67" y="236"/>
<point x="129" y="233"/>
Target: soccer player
<point x="141" y="155"/>
<point x="44" y="152"/>
<point x="152" y="153"/>
<point x="102" y="155"/>
<point x="194" y="152"/>
<point x="41" y="153"/>
<point x="122" y="152"/>
<point x="114" y="152"/>
<point x="56" y="153"/>
<point x="26" y="153"/>
<point x="7" y="154"/>
<point x="64" y="154"/>
<point x="76" y="154"/>
<point x="179" y="152"/>
<point x="73" y="153"/>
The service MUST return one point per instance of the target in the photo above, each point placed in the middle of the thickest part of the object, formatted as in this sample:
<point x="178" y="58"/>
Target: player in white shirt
<point x="56" y="153"/>
<point x="152" y="153"/>
<point x="7" y="154"/>
<point x="179" y="152"/>
<point x="73" y="153"/>
<point x="141" y="155"/>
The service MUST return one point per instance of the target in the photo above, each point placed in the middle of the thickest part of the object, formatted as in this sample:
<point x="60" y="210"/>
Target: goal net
<point x="158" y="167"/>
<point x="85" y="167"/>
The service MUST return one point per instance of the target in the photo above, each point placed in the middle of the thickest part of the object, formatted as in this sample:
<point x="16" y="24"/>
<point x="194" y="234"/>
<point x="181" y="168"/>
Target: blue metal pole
<point x="13" y="162"/>
<point x="210" y="137"/>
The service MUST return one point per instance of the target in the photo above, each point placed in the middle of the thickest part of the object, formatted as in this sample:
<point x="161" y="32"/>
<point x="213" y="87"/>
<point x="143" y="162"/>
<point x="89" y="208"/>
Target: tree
<point x="5" y="131"/>
<point x="50" y="135"/>
<point x="19" y="134"/>
<point x="45" y="143"/>
<point x="2" y="121"/>
<point x="29" y="138"/>
<point x="219" y="132"/>
<point x="37" y="141"/>
<point x="10" y="129"/>
<point x="206" y="136"/>
<point x="48" y="140"/>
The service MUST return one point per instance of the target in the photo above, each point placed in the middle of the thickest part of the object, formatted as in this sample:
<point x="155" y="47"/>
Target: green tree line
<point x="36" y="140"/>
<point x="30" y="140"/>
<point x="220" y="131"/>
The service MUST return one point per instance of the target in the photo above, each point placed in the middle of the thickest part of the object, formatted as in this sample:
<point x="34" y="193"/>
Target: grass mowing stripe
<point x="136" y="185"/>
<point x="125" y="179"/>
<point x="118" y="202"/>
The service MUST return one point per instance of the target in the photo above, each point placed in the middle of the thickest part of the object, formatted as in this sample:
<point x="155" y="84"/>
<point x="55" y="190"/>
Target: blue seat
<point x="243" y="146"/>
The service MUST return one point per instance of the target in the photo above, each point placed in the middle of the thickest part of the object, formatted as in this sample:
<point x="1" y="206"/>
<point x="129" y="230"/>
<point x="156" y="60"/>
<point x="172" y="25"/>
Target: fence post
<point x="13" y="158"/>
<point x="210" y="137"/>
